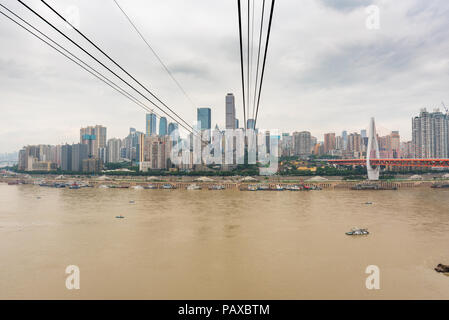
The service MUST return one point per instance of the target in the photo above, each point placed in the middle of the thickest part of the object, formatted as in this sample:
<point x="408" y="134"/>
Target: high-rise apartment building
<point x="287" y="145"/>
<point x="66" y="157"/>
<point x="79" y="153"/>
<point x="344" y="137"/>
<point x="430" y="134"/>
<point x="407" y="150"/>
<point x="113" y="150"/>
<point x="95" y="138"/>
<point x="395" y="143"/>
<point x="155" y="153"/>
<point x="329" y="142"/>
<point x="363" y="133"/>
<point x="302" y="143"/>
<point x="355" y="144"/>
<point x="37" y="157"/>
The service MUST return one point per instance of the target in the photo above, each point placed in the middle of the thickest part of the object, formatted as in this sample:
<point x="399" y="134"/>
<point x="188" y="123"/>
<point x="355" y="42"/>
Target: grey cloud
<point x="12" y="69"/>
<point x="359" y="63"/>
<point x="322" y="64"/>
<point x="191" y="68"/>
<point x="346" y="5"/>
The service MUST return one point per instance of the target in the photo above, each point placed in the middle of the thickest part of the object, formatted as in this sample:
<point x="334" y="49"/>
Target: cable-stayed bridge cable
<point x="106" y="55"/>
<point x="264" y="59"/>
<point x="155" y="54"/>
<point x="241" y="59"/>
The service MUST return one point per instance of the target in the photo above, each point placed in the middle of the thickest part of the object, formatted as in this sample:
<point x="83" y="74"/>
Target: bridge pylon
<point x="372" y="152"/>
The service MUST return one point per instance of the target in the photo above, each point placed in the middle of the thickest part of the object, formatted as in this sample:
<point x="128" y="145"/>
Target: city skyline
<point x="152" y="149"/>
<point x="334" y="83"/>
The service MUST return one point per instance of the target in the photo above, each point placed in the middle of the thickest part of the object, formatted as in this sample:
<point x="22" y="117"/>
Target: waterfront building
<point x="430" y="134"/>
<point x="91" y="165"/>
<point x="407" y="150"/>
<point x="66" y="157"/>
<point x="286" y="145"/>
<point x="21" y="165"/>
<point x="318" y="149"/>
<point x="95" y="138"/>
<point x="344" y="136"/>
<point x="141" y="146"/>
<point x="354" y="145"/>
<point x="102" y="154"/>
<point x="113" y="150"/>
<point x="44" y="166"/>
<point x="155" y="153"/>
<point x="79" y="153"/>
<point x="32" y="154"/>
<point x="130" y="144"/>
<point x="329" y="142"/>
<point x="395" y="144"/>
<point x="339" y="143"/>
<point x="302" y="143"/>
<point x="58" y="155"/>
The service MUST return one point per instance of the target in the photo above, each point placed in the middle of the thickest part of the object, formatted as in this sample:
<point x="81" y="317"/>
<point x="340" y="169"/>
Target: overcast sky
<point x="326" y="71"/>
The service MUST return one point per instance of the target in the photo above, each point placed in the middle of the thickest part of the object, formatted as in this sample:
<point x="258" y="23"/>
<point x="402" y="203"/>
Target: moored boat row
<point x="278" y="187"/>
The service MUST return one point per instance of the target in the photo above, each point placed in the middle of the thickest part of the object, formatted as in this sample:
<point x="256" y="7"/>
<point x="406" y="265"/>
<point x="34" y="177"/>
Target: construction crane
<point x="445" y="108"/>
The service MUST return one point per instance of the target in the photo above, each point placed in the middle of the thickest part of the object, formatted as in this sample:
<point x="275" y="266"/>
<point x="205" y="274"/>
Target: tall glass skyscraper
<point x="163" y="126"/>
<point x="230" y="111"/>
<point x="172" y="127"/>
<point x="204" y="118"/>
<point x="250" y="124"/>
<point x="150" y="124"/>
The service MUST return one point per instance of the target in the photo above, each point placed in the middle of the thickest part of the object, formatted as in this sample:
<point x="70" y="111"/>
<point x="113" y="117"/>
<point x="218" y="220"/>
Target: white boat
<point x="137" y="187"/>
<point x="217" y="187"/>
<point x="193" y="187"/>
<point x="357" y="232"/>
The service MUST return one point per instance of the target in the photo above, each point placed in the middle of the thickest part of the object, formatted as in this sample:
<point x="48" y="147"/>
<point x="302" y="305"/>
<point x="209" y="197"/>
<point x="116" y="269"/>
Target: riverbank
<point x="237" y="182"/>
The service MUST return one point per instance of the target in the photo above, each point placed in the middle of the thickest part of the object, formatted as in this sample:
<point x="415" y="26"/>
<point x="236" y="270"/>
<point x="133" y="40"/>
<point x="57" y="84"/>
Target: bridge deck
<point x="444" y="163"/>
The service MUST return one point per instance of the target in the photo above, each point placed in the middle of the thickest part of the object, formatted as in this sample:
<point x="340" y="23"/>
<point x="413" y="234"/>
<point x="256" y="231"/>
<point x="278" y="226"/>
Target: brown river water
<point x="186" y="244"/>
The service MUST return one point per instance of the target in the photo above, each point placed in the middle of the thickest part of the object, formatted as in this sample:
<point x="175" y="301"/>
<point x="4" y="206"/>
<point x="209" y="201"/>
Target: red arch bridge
<point x="441" y="163"/>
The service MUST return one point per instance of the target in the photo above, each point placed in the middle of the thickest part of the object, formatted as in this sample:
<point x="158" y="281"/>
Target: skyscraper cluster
<point x="152" y="149"/>
<point x="348" y="146"/>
